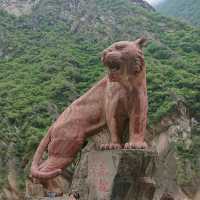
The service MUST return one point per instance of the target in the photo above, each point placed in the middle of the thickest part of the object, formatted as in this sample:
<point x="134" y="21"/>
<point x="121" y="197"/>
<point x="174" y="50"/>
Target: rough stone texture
<point x="144" y="4"/>
<point x="11" y="189"/>
<point x="197" y="196"/>
<point x="25" y="7"/>
<point x="37" y="190"/>
<point x="116" y="174"/>
<point x="46" y="198"/>
<point x="170" y="130"/>
<point x="79" y="182"/>
<point x="18" y="8"/>
<point x="81" y="173"/>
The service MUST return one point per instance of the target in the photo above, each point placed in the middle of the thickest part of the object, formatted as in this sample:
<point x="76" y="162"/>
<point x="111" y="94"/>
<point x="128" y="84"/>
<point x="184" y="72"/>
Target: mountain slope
<point x="26" y="7"/>
<point x="184" y="9"/>
<point x="51" y="56"/>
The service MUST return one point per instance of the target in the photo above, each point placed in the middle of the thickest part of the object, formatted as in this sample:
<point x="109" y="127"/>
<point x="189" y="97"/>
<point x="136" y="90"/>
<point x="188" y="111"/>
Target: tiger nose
<point x="104" y="53"/>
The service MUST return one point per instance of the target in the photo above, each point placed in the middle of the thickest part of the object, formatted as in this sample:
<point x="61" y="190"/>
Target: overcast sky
<point x="154" y="2"/>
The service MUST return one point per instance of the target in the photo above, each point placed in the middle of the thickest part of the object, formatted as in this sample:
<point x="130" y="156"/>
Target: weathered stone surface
<point x="169" y="168"/>
<point x="25" y="7"/>
<point x="79" y="182"/>
<point x="144" y="4"/>
<point x="17" y="7"/>
<point x="35" y="190"/>
<point x="116" y="175"/>
<point x="197" y="196"/>
<point x="47" y="198"/>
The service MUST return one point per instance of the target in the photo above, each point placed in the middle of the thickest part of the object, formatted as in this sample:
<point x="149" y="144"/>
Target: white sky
<point x="153" y="2"/>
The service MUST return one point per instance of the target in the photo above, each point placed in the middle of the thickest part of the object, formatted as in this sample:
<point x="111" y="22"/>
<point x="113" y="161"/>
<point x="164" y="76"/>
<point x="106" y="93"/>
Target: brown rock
<point x="37" y="190"/>
<point x="118" y="174"/>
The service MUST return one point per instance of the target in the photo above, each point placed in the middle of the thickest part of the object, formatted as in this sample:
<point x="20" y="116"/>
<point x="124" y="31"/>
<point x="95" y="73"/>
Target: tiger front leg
<point x="115" y="136"/>
<point x="137" y="122"/>
<point x="116" y="125"/>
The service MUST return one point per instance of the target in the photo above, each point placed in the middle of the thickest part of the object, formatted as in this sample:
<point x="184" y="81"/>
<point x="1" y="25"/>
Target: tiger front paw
<point x="136" y="145"/>
<point x="110" y="146"/>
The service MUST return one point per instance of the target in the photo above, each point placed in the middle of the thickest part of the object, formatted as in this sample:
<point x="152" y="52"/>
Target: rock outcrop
<point x="144" y="4"/>
<point x="35" y="190"/>
<point x="116" y="175"/>
<point x="17" y="7"/>
<point x="25" y="7"/>
<point x="172" y="169"/>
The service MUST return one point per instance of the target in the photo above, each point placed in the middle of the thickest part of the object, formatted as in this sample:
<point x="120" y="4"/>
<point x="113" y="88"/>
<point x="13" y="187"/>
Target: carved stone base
<point x="115" y="175"/>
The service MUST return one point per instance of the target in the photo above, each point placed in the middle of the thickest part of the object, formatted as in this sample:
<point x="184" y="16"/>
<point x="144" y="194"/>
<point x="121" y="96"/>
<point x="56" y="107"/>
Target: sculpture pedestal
<point x="115" y="175"/>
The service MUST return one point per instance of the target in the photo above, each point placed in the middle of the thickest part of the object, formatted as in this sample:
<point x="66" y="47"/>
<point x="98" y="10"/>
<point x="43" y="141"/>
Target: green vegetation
<point x="184" y="9"/>
<point x="51" y="57"/>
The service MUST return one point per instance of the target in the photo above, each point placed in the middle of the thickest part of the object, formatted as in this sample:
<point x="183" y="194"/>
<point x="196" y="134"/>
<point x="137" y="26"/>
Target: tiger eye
<point x="134" y="62"/>
<point x="114" y="67"/>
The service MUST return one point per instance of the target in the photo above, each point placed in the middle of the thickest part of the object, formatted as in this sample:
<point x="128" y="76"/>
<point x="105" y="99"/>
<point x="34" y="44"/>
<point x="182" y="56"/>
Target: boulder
<point x="116" y="175"/>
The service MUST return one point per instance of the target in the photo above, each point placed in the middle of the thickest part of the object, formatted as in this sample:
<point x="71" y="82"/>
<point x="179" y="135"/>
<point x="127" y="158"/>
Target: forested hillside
<point x="183" y="9"/>
<point x="50" y="57"/>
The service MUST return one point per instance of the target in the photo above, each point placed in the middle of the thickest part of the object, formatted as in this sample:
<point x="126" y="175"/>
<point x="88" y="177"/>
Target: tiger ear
<point x="141" y="42"/>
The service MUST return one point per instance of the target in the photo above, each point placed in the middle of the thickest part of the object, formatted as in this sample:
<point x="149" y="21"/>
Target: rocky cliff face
<point x="175" y="173"/>
<point x="18" y="7"/>
<point x="143" y="3"/>
<point x="25" y="7"/>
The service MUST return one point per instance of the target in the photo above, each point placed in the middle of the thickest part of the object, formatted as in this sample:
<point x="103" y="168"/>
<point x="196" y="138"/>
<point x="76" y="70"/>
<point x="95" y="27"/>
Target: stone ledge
<point x="47" y="198"/>
<point x="124" y="174"/>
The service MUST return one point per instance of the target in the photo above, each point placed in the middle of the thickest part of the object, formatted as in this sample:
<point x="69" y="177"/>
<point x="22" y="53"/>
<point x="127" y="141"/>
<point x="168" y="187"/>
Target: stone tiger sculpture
<point x="116" y="101"/>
